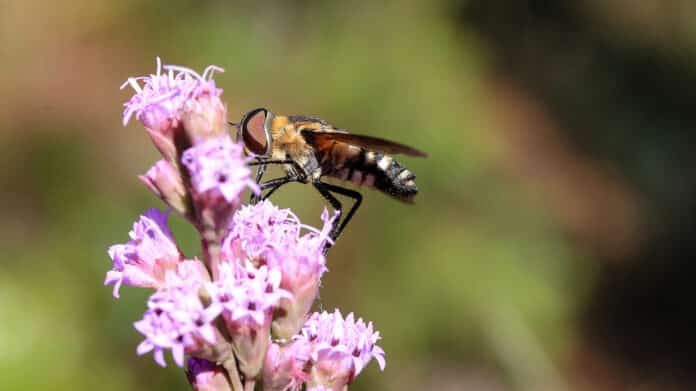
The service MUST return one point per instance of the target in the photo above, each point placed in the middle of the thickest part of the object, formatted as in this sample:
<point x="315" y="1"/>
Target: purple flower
<point x="265" y="234"/>
<point x="144" y="260"/>
<point x="206" y="376"/>
<point x="159" y="102"/>
<point x="247" y="297"/>
<point x="217" y="167"/>
<point x="284" y="366"/>
<point x="176" y="319"/>
<point x="257" y="228"/>
<point x="262" y="268"/>
<point x="341" y="348"/>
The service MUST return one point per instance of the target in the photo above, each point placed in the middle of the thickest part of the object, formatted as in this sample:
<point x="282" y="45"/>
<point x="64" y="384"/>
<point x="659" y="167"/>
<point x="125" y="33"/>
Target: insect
<point x="310" y="149"/>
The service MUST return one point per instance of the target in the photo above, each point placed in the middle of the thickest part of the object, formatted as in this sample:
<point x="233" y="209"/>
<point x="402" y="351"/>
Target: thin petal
<point x="115" y="278"/>
<point x="178" y="354"/>
<point x="207" y="333"/>
<point x="381" y="361"/>
<point x="144" y="347"/>
<point x="159" y="357"/>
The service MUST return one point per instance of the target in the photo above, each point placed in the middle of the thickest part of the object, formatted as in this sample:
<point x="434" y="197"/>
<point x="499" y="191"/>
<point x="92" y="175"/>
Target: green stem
<point x="231" y="366"/>
<point x="210" y="244"/>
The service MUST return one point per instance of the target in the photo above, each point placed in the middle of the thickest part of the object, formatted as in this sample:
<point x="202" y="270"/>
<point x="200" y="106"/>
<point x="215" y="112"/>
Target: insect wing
<point x="322" y="139"/>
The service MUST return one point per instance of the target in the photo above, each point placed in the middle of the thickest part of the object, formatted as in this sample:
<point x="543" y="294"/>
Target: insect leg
<point x="259" y="162"/>
<point x="357" y="198"/>
<point x="263" y="164"/>
<point x="275" y="184"/>
<point x="336" y="204"/>
<point x="253" y="198"/>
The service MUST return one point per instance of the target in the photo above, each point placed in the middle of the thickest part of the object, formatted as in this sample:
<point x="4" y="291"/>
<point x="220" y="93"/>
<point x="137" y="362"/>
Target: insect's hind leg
<point x="357" y="200"/>
<point x="336" y="204"/>
<point x="325" y="190"/>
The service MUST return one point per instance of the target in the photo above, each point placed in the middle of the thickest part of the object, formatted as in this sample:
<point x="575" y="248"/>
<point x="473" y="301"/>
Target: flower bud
<point x="205" y="117"/>
<point x="165" y="181"/>
<point x="164" y="142"/>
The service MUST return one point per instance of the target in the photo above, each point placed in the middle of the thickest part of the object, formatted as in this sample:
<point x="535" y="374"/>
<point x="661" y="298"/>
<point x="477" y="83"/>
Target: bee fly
<point x="310" y="148"/>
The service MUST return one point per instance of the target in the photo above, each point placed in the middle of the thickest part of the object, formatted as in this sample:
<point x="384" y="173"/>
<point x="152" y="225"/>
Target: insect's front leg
<point x="254" y="198"/>
<point x="297" y="176"/>
<point x="262" y="162"/>
<point x="275" y="184"/>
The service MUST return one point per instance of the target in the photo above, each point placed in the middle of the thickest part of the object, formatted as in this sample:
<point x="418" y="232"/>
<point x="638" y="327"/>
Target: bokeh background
<point x="551" y="247"/>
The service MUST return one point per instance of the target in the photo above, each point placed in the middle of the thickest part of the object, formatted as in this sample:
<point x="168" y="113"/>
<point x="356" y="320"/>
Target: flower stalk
<point x="240" y="317"/>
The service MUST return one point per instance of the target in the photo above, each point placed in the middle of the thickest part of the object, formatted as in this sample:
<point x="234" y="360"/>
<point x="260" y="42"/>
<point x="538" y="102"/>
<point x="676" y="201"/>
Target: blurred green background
<point x="550" y="247"/>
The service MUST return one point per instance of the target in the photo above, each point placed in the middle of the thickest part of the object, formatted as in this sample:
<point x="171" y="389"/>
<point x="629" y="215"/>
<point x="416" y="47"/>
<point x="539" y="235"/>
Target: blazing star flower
<point x="247" y="297"/>
<point x="341" y="348"/>
<point x="176" y="319"/>
<point x="257" y="228"/>
<point x="144" y="260"/>
<point x="266" y="234"/>
<point x="159" y="102"/>
<point x="262" y="267"/>
<point x="284" y="366"/>
<point x="206" y="376"/>
<point x="217" y="166"/>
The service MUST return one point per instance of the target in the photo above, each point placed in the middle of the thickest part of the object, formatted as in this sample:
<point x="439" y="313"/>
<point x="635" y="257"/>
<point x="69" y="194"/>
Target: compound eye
<point x="254" y="132"/>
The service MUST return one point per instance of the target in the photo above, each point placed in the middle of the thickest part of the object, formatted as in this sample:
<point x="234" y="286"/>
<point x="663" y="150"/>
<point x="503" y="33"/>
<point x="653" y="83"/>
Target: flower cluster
<point x="333" y="348"/>
<point x="242" y="313"/>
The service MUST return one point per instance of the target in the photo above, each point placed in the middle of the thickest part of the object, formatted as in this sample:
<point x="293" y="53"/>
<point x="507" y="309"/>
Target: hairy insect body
<point x="288" y="143"/>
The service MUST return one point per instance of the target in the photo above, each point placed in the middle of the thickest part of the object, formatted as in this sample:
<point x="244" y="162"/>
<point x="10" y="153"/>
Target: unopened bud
<point x="205" y="117"/>
<point x="165" y="181"/>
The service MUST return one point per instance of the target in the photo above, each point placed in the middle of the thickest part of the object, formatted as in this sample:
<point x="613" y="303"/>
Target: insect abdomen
<point x="393" y="178"/>
<point x="371" y="169"/>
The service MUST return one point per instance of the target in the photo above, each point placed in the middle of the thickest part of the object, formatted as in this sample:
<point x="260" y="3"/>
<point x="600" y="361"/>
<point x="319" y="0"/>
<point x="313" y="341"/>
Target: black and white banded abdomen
<point x="371" y="169"/>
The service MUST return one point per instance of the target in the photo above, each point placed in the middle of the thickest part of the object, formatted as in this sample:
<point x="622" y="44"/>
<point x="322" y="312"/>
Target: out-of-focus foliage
<point x="538" y="174"/>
